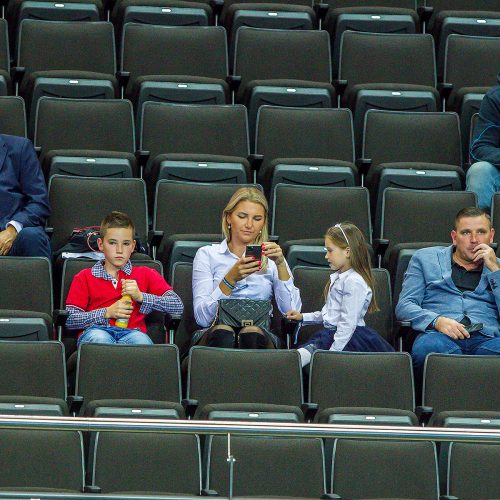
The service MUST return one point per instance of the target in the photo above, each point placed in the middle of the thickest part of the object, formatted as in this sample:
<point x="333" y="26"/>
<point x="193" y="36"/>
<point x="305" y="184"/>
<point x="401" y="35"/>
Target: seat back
<point x="451" y="382"/>
<point x="365" y="469"/>
<point x="128" y="372"/>
<point x="382" y="320"/>
<point x="244" y="376"/>
<point x="173" y="463"/>
<point x="41" y="460"/>
<point x="182" y="284"/>
<point x="4" y="46"/>
<point x="341" y="4"/>
<point x="440" y="207"/>
<point x="80" y="202"/>
<point x="179" y="50"/>
<point x="84" y="124"/>
<point x="324" y="207"/>
<point x="33" y="369"/>
<point x="257" y="456"/>
<point x="484" y="5"/>
<point x="268" y="54"/>
<point x="66" y="45"/>
<point x="26" y="284"/>
<point x="387" y="58"/>
<point x="12" y="116"/>
<point x="344" y="379"/>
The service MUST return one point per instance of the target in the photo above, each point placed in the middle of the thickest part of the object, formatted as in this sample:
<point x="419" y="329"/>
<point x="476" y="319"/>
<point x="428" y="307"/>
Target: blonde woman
<point x="225" y="271"/>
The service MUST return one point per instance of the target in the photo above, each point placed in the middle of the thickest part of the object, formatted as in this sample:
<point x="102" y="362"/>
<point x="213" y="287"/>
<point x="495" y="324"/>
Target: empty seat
<point x="86" y="137"/>
<point x="84" y="201"/>
<point x="363" y="388"/>
<point x="59" y="59"/>
<point x="473" y="470"/>
<point x="5" y="82"/>
<point x="451" y="390"/>
<point x="305" y="146"/>
<point x="471" y="64"/>
<point x="256" y="457"/>
<point x="27" y="294"/>
<point x="243" y="395"/>
<point x="495" y="212"/>
<point x="34" y="378"/>
<point x="12" y="116"/>
<point x="150" y="463"/>
<point x="282" y="68"/>
<point x="185" y="65"/>
<point x="385" y="469"/>
<point x="41" y="460"/>
<point x="374" y="16"/>
<point x="412" y="150"/>
<point x="386" y="71"/>
<point x="202" y="143"/>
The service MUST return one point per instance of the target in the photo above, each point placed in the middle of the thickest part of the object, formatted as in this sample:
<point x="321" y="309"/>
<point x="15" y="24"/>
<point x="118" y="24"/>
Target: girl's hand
<point x="295" y="315"/>
<point x="273" y="251"/>
<point x="244" y="267"/>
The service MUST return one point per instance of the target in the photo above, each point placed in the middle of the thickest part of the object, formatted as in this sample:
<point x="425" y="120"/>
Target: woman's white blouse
<point x="346" y="305"/>
<point x="211" y="264"/>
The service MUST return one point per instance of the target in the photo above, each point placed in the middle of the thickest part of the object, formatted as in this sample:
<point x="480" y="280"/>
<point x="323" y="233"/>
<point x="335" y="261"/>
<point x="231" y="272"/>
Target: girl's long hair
<point x="253" y="195"/>
<point x="359" y="255"/>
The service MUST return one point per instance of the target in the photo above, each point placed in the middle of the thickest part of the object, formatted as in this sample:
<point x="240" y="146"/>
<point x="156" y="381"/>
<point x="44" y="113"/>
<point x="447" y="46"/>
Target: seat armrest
<point x="17" y="74"/>
<point x="289" y="327"/>
<point x="190" y="406"/>
<point x="340" y="86"/>
<point x="142" y="158"/>
<point x="38" y="151"/>
<point x="425" y="13"/>
<point x="448" y="497"/>
<point x="154" y="238"/>
<point x="331" y="495"/>
<point x="309" y="410"/>
<point x="49" y="231"/>
<point x="234" y="82"/>
<point x="123" y="78"/>
<point x="172" y="322"/>
<point x="380" y="246"/>
<point x="60" y="317"/>
<point x="444" y="89"/>
<point x="321" y="10"/>
<point x="75" y="403"/>
<point x="255" y="161"/>
<point x="91" y="488"/>
<point x="424" y="414"/>
<point x="209" y="493"/>
<point x="363" y="165"/>
<point x="216" y="6"/>
<point x="401" y="328"/>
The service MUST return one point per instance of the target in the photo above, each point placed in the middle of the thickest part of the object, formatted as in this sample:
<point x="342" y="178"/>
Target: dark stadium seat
<point x="305" y="146"/>
<point x="243" y="395"/>
<point x="33" y="379"/>
<point x="386" y="71"/>
<point x="411" y="150"/>
<point x="13" y="116"/>
<point x="267" y="467"/>
<point x="282" y="68"/>
<point x="59" y="59"/>
<point x="5" y="81"/>
<point x="184" y="65"/>
<point x="86" y="137"/>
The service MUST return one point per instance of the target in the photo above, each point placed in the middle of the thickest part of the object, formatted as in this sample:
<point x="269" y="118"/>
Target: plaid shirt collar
<point x="98" y="270"/>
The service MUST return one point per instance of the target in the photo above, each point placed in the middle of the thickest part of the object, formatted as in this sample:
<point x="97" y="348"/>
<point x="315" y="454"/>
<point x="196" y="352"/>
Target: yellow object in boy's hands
<point x="123" y="322"/>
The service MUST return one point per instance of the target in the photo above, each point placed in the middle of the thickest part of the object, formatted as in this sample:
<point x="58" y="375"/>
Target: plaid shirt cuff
<point x="169" y="302"/>
<point x="79" y="320"/>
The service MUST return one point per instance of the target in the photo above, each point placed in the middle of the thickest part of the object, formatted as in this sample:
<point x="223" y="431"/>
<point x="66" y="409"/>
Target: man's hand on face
<point x="7" y="237"/>
<point x="485" y="254"/>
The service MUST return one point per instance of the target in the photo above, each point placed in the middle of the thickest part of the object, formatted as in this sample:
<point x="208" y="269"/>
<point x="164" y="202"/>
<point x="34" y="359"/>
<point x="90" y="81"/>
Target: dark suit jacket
<point x="23" y="193"/>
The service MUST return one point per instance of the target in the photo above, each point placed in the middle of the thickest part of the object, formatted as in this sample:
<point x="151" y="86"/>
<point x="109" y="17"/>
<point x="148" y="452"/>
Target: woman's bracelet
<point x="231" y="287"/>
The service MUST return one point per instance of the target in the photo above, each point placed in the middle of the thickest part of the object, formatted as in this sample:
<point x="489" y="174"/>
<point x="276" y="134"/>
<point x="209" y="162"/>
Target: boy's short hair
<point x="116" y="219"/>
<point x="471" y="212"/>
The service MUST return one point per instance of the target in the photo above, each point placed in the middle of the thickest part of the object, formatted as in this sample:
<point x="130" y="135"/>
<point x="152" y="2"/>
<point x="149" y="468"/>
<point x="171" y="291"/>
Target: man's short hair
<point x="471" y="212"/>
<point x="116" y="219"/>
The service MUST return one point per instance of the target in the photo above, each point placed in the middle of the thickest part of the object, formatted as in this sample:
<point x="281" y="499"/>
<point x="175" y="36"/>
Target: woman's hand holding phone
<point x="273" y="251"/>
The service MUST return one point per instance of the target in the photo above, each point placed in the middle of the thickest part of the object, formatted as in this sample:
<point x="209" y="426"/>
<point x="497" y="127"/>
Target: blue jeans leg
<point x="488" y="347"/>
<point x="31" y="242"/>
<point x="484" y="179"/>
<point x="96" y="335"/>
<point x="134" y="337"/>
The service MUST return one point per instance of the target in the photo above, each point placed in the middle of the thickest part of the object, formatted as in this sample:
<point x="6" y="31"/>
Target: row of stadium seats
<point x="151" y="463"/>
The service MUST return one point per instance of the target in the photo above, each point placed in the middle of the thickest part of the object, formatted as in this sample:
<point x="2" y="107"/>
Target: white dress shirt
<point x="346" y="305"/>
<point x="211" y="264"/>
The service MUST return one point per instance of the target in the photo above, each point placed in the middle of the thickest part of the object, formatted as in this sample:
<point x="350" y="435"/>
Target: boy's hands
<point x="120" y="309"/>
<point x="295" y="315"/>
<point x="129" y="287"/>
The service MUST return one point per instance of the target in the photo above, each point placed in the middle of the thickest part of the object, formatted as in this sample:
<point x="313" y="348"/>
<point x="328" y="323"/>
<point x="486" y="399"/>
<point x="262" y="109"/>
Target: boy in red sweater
<point x="113" y="289"/>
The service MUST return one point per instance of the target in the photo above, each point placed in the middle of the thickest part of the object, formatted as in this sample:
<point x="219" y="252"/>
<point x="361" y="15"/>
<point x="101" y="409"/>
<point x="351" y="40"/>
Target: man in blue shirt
<point x="24" y="202"/>
<point x="451" y="295"/>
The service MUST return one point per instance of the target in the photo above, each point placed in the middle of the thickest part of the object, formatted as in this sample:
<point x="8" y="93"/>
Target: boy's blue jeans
<point x="113" y="335"/>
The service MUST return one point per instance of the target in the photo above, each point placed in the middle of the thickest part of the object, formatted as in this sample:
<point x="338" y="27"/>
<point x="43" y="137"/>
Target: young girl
<point x="349" y="295"/>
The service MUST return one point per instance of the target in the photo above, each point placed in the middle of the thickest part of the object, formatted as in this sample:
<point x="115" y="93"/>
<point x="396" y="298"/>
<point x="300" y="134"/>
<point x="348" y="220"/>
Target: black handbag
<point x="245" y="312"/>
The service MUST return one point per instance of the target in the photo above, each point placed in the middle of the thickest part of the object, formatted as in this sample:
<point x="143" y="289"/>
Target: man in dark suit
<point x="24" y="202"/>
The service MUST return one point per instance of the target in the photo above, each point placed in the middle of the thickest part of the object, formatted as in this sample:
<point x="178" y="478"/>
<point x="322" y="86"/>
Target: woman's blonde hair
<point x="253" y="195"/>
<point x="345" y="235"/>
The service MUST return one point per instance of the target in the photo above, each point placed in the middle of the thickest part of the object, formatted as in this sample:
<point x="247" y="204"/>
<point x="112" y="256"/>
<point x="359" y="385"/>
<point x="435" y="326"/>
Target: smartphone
<point x="254" y="251"/>
<point x="476" y="327"/>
